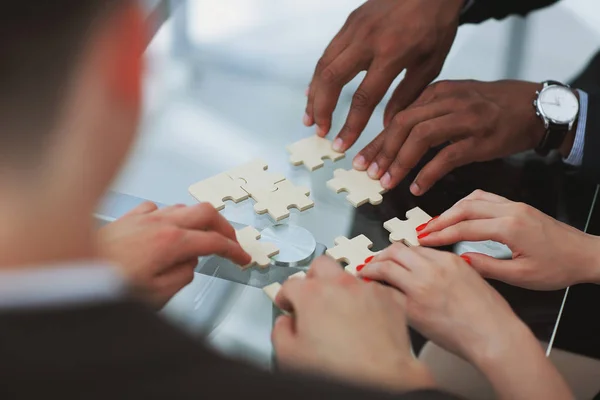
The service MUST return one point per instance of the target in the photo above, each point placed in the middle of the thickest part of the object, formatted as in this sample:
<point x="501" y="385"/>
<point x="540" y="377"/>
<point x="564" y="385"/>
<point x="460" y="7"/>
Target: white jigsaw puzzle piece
<point x="216" y="190"/>
<point x="255" y="174"/>
<point x="273" y="289"/>
<point x="360" y="187"/>
<point x="405" y="231"/>
<point x="277" y="202"/>
<point x="311" y="152"/>
<point x="354" y="251"/>
<point x="260" y="252"/>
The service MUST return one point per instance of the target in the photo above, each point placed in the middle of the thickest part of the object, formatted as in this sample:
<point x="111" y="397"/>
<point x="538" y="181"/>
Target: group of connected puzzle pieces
<point x="275" y="195"/>
<point x="272" y="193"/>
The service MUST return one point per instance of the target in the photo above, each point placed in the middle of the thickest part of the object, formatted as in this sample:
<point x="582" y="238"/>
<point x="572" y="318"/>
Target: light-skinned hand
<point x="346" y="328"/>
<point x="547" y="254"/>
<point x="159" y="249"/>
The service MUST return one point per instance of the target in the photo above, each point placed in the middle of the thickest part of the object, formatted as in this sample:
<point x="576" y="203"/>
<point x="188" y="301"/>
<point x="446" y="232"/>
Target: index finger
<point x="474" y="231"/>
<point x="202" y="217"/>
<point x="196" y="244"/>
<point x="465" y="210"/>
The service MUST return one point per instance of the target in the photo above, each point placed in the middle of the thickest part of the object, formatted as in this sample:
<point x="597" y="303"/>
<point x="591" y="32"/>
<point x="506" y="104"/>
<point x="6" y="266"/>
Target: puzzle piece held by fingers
<point x="279" y="200"/>
<point x="360" y="187"/>
<point x="405" y="231"/>
<point x="312" y="151"/>
<point x="354" y="251"/>
<point x="260" y="252"/>
<point x="216" y="190"/>
<point x="273" y="289"/>
<point x="255" y="174"/>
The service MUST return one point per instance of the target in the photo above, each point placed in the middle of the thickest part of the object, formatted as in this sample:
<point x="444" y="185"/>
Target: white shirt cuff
<point x="575" y="157"/>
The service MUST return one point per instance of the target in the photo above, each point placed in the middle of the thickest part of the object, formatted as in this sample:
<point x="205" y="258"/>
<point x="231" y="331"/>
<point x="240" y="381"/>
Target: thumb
<point x="144" y="208"/>
<point x="490" y="267"/>
<point x="283" y="337"/>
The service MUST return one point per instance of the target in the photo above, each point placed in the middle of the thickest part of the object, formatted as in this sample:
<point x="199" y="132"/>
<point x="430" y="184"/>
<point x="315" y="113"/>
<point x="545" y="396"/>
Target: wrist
<point x="497" y="350"/>
<point x="414" y="376"/>
<point x="589" y="260"/>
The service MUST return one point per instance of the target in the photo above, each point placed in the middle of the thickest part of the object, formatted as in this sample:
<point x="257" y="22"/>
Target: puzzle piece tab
<point x="254" y="173"/>
<point x="216" y="190"/>
<point x="277" y="202"/>
<point x="405" y="231"/>
<point x="354" y="251"/>
<point x="312" y="151"/>
<point x="360" y="187"/>
<point x="260" y="252"/>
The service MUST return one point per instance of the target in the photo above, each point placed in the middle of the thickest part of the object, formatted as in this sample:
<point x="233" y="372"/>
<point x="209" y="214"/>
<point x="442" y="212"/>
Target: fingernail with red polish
<point x="466" y="258"/>
<point x="423" y="235"/>
<point x="367" y="279"/>
<point x="369" y="259"/>
<point x="421" y="227"/>
<point x="360" y="267"/>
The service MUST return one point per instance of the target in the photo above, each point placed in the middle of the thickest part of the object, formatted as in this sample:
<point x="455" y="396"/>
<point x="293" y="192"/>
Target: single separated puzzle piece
<point x="254" y="173"/>
<point x="354" y="251"/>
<point x="405" y="231"/>
<point x="216" y="190"/>
<point x="360" y="187"/>
<point x="260" y="252"/>
<point x="312" y="151"/>
<point x="278" y="201"/>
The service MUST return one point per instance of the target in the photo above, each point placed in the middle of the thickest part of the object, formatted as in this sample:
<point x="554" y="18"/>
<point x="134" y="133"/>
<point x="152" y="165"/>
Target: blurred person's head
<point x="70" y="82"/>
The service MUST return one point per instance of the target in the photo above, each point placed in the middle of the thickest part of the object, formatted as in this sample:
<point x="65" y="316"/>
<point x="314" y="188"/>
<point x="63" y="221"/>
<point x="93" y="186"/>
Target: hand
<point x="347" y="329"/>
<point x="452" y="305"/>
<point x="159" y="249"/>
<point x="482" y="120"/>
<point x="446" y="300"/>
<point x="383" y="37"/>
<point x="547" y="254"/>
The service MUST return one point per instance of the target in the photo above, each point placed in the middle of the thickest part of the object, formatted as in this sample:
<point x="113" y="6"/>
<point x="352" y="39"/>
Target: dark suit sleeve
<point x="124" y="351"/>
<point x="591" y="150"/>
<point x="482" y="10"/>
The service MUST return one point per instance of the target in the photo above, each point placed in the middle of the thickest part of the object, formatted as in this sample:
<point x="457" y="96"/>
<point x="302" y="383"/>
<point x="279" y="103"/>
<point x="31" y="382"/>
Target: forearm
<point x="517" y="368"/>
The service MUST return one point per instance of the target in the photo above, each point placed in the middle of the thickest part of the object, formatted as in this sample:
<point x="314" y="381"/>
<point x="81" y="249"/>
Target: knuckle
<point x="400" y="119"/>
<point x="452" y="156"/>
<point x="442" y="86"/>
<point x="329" y="75"/>
<point x="169" y="235"/>
<point x="522" y="209"/>
<point x="422" y="131"/>
<point x="347" y="131"/>
<point x="360" y="99"/>
<point x="477" y="194"/>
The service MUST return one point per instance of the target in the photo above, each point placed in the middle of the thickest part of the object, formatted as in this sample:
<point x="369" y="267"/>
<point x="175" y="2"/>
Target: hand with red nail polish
<point x="547" y="254"/>
<point x="452" y="305"/>
<point x="333" y="330"/>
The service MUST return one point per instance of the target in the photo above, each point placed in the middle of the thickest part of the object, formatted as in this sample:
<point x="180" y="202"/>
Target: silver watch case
<point x="540" y="112"/>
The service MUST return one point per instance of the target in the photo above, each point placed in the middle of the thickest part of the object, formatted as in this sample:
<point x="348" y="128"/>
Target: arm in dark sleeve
<point x="482" y="10"/>
<point x="125" y="351"/>
<point x="591" y="151"/>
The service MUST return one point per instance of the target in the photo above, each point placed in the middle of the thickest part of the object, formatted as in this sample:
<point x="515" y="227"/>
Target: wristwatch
<point x="558" y="108"/>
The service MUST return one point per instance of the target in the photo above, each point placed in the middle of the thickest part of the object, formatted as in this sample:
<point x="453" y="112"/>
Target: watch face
<point x="559" y="104"/>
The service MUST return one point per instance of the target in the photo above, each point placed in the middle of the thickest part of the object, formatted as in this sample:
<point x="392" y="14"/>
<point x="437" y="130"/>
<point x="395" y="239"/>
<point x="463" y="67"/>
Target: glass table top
<point x="202" y="119"/>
